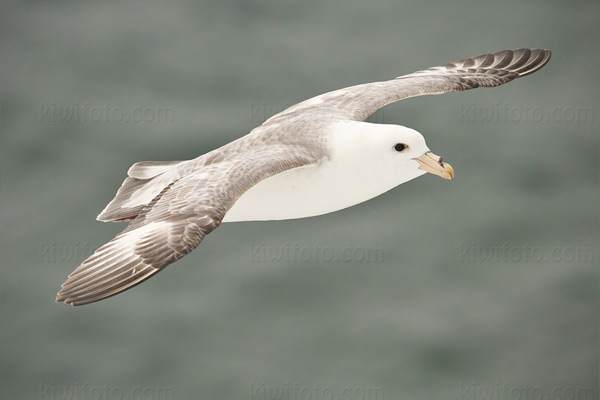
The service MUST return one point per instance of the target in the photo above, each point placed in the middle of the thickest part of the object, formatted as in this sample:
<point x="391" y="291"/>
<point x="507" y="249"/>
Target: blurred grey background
<point x="482" y="287"/>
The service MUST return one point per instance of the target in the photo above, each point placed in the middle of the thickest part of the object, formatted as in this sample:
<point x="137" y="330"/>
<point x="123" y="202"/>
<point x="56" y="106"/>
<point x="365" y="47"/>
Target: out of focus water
<point x="479" y="288"/>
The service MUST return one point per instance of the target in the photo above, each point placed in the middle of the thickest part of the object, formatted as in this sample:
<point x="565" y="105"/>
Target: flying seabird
<point x="313" y="158"/>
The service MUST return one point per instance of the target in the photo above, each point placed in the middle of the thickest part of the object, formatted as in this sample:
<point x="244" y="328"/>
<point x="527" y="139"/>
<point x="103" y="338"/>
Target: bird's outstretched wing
<point x="487" y="70"/>
<point x="173" y="224"/>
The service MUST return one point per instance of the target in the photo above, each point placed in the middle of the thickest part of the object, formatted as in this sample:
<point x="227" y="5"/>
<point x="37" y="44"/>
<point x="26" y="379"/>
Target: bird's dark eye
<point x="400" y="147"/>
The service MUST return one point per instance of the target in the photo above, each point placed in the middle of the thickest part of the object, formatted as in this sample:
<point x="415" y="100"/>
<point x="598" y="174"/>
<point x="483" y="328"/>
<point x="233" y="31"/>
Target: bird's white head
<point x="389" y="155"/>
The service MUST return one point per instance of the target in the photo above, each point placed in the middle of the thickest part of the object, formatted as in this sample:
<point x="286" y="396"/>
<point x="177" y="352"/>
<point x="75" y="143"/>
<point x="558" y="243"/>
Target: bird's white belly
<point x="308" y="191"/>
<point x="297" y="193"/>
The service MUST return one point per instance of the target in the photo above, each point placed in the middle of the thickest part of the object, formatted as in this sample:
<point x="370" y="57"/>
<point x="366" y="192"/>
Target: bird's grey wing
<point x="487" y="70"/>
<point x="173" y="224"/>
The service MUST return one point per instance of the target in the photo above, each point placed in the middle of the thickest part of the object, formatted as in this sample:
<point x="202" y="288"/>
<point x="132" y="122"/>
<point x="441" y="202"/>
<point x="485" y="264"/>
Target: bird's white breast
<point x="348" y="177"/>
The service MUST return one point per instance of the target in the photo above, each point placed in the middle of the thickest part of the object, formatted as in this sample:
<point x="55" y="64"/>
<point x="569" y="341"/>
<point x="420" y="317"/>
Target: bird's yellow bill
<point x="433" y="164"/>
